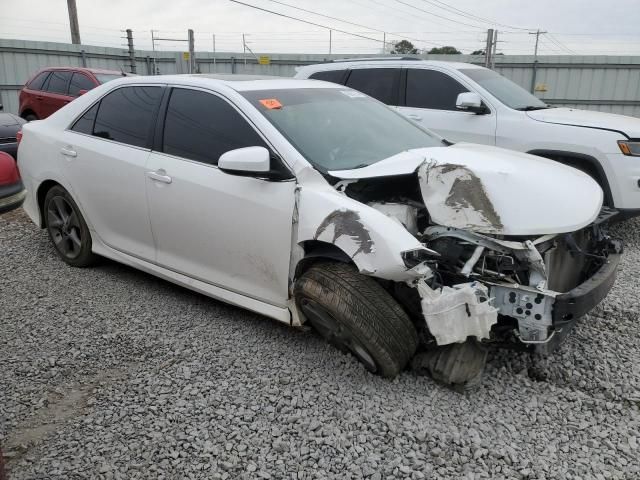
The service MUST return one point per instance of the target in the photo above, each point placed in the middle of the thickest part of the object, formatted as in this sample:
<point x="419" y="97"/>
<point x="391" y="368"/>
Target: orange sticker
<point x="271" y="103"/>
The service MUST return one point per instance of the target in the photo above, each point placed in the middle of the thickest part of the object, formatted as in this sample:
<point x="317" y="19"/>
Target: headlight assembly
<point x="630" y="147"/>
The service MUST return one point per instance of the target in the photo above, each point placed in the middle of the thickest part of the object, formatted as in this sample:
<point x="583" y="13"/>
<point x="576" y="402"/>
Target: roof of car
<point x="236" y="82"/>
<point x="85" y="69"/>
<point x="388" y="62"/>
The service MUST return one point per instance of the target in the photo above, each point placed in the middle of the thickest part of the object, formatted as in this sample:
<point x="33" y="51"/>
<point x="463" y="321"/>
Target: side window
<point x="201" y="126"/>
<point x="85" y="123"/>
<point x="432" y="89"/>
<point x="58" y="82"/>
<point x="38" y="82"/>
<point x="80" y="82"/>
<point x="379" y="83"/>
<point x="127" y="115"/>
<point x="335" y="76"/>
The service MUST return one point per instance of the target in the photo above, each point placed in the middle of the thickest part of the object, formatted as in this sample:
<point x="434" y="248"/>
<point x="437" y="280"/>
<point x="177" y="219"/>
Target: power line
<point x="471" y="16"/>
<point x="303" y="21"/>
<point x="560" y="44"/>
<point x="342" y="20"/>
<point x="439" y="16"/>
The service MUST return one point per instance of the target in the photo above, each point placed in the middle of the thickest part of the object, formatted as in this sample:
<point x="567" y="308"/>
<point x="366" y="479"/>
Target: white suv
<point x="468" y="103"/>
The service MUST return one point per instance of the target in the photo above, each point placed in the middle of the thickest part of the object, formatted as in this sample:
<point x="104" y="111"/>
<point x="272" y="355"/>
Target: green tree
<point x="404" y="47"/>
<point x="477" y="52"/>
<point x="446" y="50"/>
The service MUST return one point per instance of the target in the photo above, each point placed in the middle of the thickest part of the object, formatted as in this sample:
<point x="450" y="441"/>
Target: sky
<point x="585" y="27"/>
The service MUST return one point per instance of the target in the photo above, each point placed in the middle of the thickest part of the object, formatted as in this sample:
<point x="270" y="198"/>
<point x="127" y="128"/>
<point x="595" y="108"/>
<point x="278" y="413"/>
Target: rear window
<point x="334" y="76"/>
<point x="80" y="82"/>
<point x="57" y="82"/>
<point x="379" y="83"/>
<point x="38" y="82"/>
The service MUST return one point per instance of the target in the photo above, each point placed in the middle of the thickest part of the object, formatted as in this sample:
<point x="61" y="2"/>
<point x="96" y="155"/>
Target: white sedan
<point x="308" y="201"/>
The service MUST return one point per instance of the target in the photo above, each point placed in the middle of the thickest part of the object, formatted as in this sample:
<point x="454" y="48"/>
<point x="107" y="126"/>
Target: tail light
<point x="9" y="174"/>
<point x="19" y="136"/>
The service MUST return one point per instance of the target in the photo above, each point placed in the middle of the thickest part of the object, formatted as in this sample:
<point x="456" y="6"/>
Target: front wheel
<point x="354" y="313"/>
<point x="67" y="229"/>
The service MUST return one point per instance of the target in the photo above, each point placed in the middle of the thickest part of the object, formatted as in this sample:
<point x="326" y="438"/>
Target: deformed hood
<point x="629" y="126"/>
<point x="493" y="190"/>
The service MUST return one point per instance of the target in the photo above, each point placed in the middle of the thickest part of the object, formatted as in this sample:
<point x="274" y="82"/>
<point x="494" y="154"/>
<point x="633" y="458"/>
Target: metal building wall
<point x="605" y="83"/>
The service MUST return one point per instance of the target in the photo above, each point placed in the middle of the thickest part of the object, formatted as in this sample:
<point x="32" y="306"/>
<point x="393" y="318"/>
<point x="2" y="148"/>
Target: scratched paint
<point x="347" y="223"/>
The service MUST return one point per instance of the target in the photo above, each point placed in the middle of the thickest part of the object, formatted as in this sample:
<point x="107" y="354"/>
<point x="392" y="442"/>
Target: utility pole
<point x="192" y="51"/>
<point x="535" y="59"/>
<point x="153" y="47"/>
<point x="330" y="40"/>
<point x="488" y="50"/>
<point x="384" y="43"/>
<point x="132" y="53"/>
<point x="493" y="52"/>
<point x="244" y="49"/>
<point x="214" y="52"/>
<point x="73" y="22"/>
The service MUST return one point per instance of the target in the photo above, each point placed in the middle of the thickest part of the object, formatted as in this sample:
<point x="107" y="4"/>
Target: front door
<point x="104" y="157"/>
<point x="226" y="230"/>
<point x="430" y="101"/>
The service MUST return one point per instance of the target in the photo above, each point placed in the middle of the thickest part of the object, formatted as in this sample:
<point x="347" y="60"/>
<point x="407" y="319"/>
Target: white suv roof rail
<point x="369" y="59"/>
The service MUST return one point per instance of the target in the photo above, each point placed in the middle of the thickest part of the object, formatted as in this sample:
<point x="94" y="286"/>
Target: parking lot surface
<point x="111" y="373"/>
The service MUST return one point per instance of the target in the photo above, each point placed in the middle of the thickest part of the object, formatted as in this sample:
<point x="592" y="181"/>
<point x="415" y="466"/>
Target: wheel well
<point x="42" y="193"/>
<point x="584" y="163"/>
<point x="316" y="250"/>
<point x="27" y="112"/>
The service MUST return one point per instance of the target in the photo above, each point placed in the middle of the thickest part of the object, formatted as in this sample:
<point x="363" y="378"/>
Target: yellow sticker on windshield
<point x="271" y="103"/>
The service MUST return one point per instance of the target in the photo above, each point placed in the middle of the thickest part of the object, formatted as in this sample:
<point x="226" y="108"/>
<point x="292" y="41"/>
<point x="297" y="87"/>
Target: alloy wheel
<point x="64" y="227"/>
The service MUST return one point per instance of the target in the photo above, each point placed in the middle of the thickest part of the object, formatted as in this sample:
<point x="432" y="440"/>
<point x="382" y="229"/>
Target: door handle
<point x="68" y="152"/>
<point x="160" y="176"/>
<point x="39" y="97"/>
<point x="413" y="116"/>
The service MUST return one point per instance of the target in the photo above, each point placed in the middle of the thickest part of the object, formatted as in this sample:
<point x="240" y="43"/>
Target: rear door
<point x="103" y="156"/>
<point x="429" y="98"/>
<point x="227" y="230"/>
<point x="56" y="93"/>
<point x="80" y="83"/>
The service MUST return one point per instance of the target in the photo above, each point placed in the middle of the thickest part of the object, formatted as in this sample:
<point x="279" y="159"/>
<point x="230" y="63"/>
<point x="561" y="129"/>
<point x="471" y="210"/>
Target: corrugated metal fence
<point x="605" y="83"/>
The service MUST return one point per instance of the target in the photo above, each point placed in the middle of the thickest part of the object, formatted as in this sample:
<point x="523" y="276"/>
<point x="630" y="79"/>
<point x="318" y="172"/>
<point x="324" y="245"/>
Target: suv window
<point x="127" y="115"/>
<point x="334" y="76"/>
<point x="432" y="89"/>
<point x="80" y="82"/>
<point x="57" y="82"/>
<point x="379" y="83"/>
<point x="201" y="126"/>
<point x="38" y="82"/>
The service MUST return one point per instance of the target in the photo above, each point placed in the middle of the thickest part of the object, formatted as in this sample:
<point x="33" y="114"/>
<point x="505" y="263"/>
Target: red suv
<point x="52" y="88"/>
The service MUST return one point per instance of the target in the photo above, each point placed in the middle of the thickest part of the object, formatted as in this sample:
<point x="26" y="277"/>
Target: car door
<point x="80" y="83"/>
<point x="429" y="98"/>
<point x="55" y="94"/>
<point x="227" y="230"/>
<point x="103" y="157"/>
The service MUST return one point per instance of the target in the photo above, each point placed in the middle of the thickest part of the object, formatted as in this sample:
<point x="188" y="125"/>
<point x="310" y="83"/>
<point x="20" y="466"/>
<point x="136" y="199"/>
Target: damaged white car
<point x="310" y="202"/>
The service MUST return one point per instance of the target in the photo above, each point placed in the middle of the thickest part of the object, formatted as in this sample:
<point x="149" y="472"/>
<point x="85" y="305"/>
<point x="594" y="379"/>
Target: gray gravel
<point x="110" y="373"/>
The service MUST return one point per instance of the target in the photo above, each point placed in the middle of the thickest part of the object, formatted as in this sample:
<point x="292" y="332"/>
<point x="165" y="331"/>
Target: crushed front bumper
<point x="570" y="306"/>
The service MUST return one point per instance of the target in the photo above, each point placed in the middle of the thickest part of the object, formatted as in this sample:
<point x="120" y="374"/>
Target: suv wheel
<point x="354" y="313"/>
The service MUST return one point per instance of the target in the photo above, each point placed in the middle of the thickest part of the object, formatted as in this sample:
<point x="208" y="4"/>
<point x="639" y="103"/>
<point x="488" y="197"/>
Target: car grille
<point x="7" y="140"/>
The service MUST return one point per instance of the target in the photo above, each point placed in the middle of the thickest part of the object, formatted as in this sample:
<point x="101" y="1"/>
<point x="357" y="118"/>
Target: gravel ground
<point x="111" y="373"/>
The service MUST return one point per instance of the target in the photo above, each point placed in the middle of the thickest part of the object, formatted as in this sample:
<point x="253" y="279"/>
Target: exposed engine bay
<point x="513" y="290"/>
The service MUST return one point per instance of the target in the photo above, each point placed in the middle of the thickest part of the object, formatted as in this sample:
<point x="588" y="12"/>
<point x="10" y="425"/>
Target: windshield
<point x="339" y="129"/>
<point x="503" y="89"/>
<point x="106" y="77"/>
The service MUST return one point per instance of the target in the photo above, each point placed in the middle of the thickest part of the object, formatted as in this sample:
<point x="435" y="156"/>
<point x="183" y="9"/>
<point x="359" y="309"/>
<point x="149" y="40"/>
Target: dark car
<point x="52" y="88"/>
<point x="9" y="126"/>
<point x="12" y="192"/>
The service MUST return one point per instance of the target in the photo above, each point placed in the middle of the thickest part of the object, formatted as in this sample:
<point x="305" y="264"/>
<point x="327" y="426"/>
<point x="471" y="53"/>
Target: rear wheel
<point x="355" y="314"/>
<point x="67" y="229"/>
<point x="30" y="117"/>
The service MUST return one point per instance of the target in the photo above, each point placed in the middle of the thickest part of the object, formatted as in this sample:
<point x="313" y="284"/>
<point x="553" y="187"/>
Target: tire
<point x="30" y="117"/>
<point x="354" y="313"/>
<point x="67" y="229"/>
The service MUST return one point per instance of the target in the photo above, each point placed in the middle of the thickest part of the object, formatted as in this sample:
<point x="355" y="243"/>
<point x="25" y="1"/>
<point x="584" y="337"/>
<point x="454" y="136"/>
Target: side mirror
<point x="246" y="161"/>
<point x="82" y="92"/>
<point x="471" y="102"/>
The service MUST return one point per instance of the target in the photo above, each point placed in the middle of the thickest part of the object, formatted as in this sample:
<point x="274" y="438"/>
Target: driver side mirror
<point x="471" y="102"/>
